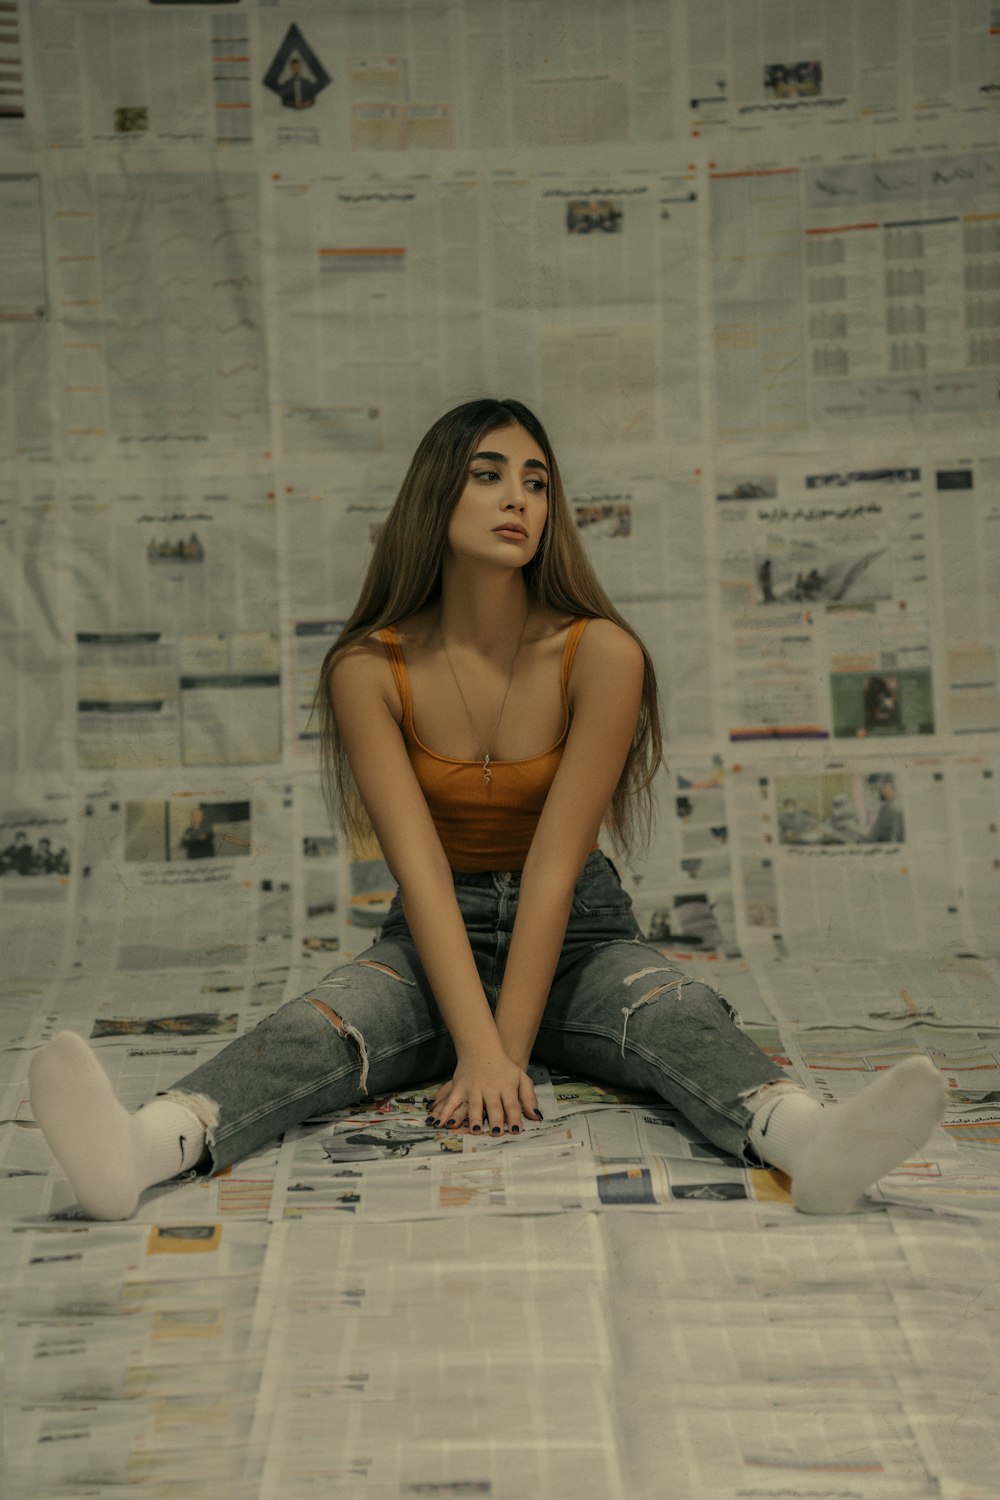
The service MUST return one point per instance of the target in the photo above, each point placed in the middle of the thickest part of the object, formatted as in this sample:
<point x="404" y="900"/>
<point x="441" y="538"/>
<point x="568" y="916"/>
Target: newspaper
<point x="541" y="1387"/>
<point x="107" y="1323"/>
<point x="178" y="662"/>
<point x="26" y="411"/>
<point x="34" y="625"/>
<point x="863" y="855"/>
<point x="751" y="68"/>
<point x="823" y="579"/>
<point x="166" y="353"/>
<point x="834" y="267"/>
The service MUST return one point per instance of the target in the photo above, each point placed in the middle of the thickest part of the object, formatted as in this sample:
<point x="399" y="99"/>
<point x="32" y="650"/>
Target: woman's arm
<point x="606" y="696"/>
<point x="363" y="690"/>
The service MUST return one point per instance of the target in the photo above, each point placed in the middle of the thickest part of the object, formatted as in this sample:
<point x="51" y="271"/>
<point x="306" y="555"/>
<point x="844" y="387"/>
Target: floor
<point x="604" y="1307"/>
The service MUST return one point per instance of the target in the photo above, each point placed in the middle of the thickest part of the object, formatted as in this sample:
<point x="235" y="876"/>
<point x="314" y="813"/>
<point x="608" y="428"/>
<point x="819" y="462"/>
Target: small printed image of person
<point x="604" y="519"/>
<point x="21" y="855"/>
<point x="198" y="838"/>
<point x="801" y="80"/>
<point x="690" y="920"/>
<point x="839" y="808"/>
<point x="887" y="826"/>
<point x="297" y="90"/>
<point x="180" y="829"/>
<point x="881" y="702"/>
<point x="131" y="119"/>
<point x="296" y="74"/>
<point x="593" y="216"/>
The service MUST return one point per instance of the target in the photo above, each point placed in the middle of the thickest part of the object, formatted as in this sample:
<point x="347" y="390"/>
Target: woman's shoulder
<point x="606" y="641"/>
<point x="363" y="668"/>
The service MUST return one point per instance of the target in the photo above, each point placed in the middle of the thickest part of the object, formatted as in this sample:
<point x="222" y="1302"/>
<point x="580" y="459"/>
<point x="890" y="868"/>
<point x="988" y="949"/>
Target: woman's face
<point x="500" y="515"/>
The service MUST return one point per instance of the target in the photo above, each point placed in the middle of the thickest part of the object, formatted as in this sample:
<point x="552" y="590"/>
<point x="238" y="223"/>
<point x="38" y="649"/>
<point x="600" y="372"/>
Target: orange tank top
<point x="482" y="827"/>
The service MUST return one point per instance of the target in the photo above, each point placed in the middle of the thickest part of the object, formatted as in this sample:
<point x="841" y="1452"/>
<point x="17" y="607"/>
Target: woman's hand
<point x="487" y="1091"/>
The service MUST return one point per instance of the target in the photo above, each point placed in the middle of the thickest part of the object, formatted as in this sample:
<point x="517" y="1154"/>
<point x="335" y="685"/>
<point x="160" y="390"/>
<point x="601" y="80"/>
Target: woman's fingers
<point x="448" y="1107"/>
<point x="437" y="1103"/>
<point x="487" y="1112"/>
<point x="529" y="1099"/>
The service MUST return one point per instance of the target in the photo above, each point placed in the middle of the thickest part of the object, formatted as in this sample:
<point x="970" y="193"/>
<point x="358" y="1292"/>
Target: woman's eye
<point x="485" y="474"/>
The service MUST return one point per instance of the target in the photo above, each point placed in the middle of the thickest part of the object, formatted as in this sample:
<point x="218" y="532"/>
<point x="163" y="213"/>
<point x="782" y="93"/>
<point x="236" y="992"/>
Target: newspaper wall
<point x="744" y="259"/>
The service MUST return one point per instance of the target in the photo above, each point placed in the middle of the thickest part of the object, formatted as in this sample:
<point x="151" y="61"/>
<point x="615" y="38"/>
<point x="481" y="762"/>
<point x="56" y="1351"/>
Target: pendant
<point x="487" y="773"/>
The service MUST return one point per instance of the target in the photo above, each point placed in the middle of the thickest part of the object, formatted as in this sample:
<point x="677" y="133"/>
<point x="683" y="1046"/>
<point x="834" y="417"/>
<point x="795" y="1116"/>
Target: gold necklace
<point x="488" y="753"/>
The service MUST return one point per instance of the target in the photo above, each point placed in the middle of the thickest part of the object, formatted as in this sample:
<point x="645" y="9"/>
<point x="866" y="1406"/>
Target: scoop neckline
<point x="454" y="760"/>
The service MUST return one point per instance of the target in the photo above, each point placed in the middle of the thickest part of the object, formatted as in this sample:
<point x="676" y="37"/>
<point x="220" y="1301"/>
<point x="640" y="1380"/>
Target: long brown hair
<point x="404" y="574"/>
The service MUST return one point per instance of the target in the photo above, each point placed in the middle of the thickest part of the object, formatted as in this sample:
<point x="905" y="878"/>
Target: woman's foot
<point x="108" y="1155"/>
<point x="832" y="1155"/>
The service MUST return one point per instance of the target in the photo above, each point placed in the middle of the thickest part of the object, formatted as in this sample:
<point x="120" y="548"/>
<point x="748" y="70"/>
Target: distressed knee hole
<point x="346" y="1029"/>
<point x="373" y="963"/>
<point x="643" y="973"/>
<point x="331" y="1015"/>
<point x="659" y="989"/>
<point x="676" y="984"/>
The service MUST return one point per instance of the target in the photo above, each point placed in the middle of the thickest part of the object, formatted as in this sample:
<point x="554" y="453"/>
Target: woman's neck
<point x="483" y="608"/>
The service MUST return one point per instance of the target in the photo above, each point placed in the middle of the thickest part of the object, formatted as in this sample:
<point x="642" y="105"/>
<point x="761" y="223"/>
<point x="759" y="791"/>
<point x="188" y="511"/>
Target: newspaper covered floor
<point x="607" y="1306"/>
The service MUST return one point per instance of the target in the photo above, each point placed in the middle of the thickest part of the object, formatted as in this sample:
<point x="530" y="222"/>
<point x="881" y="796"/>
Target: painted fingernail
<point x="452" y="1121"/>
<point x="476" y="1129"/>
<point x="515" y="1130"/>
<point x="539" y="1115"/>
<point x="495" y="1130"/>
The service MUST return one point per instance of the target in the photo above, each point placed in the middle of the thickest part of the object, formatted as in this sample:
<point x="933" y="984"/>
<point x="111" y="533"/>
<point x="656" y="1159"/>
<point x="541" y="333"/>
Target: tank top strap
<point x="569" y="652"/>
<point x="389" y="636"/>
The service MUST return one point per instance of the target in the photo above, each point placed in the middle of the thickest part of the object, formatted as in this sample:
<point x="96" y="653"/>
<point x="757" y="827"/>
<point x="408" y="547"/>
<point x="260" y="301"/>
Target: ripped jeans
<point x="618" y="1012"/>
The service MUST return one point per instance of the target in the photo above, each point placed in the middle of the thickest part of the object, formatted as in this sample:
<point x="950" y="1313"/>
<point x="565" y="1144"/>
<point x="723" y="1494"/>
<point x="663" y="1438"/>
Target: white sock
<point x="832" y="1155"/>
<point x="109" y="1156"/>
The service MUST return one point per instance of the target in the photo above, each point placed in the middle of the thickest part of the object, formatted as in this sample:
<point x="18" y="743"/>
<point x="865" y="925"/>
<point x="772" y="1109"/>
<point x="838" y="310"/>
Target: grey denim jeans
<point x="618" y="1012"/>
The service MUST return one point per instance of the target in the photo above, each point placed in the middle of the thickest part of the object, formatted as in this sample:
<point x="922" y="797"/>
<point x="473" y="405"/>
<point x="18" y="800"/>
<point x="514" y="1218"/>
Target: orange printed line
<point x="232" y="106"/>
<point x="760" y="172"/>
<point x="366" y="250"/>
<point x="771" y="732"/>
<point x="978" y="218"/>
<point x="238" y="58"/>
<point x="843" y="228"/>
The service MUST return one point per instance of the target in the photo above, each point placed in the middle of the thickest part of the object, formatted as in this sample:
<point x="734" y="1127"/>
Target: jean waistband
<point x="490" y="879"/>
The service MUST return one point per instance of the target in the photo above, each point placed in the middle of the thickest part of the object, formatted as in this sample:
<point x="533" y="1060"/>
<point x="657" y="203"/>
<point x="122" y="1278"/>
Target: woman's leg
<point x="621" y="1012"/>
<point x="626" y="1015"/>
<point x="369" y="1028"/>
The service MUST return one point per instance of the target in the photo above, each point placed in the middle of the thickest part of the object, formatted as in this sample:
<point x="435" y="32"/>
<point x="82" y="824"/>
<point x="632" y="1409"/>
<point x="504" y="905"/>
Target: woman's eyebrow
<point x="501" y="458"/>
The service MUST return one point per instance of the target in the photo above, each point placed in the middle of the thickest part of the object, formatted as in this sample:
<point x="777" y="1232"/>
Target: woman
<point x="486" y="710"/>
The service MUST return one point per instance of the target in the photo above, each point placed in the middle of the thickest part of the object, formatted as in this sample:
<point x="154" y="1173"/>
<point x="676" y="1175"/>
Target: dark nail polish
<point x="476" y="1129"/>
<point x="539" y="1115"/>
<point x="452" y="1121"/>
<point x="495" y="1130"/>
<point x="515" y="1130"/>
